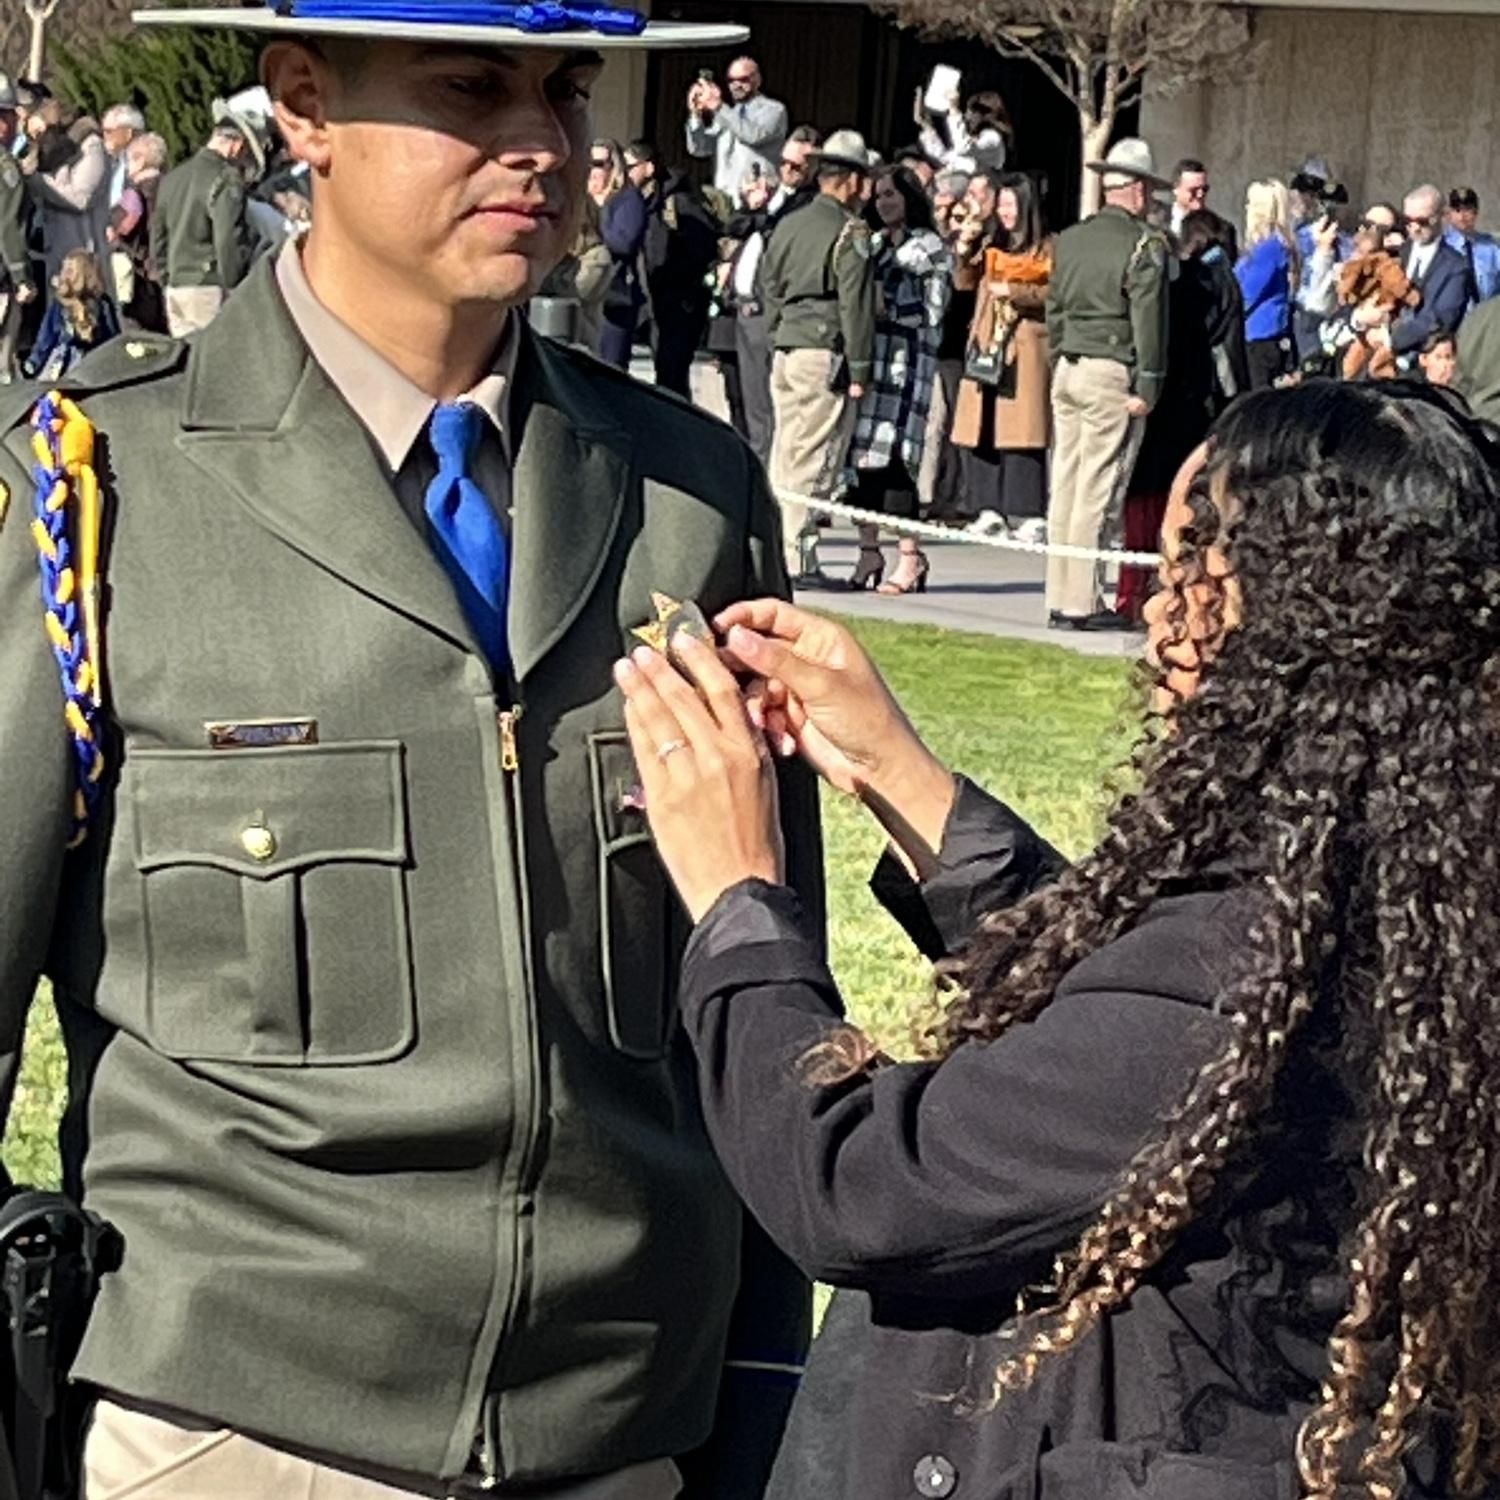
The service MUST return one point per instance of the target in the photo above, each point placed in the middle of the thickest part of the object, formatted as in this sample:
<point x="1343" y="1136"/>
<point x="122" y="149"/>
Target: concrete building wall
<point x="1390" y="99"/>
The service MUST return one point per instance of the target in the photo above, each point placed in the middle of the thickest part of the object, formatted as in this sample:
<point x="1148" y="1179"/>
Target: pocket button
<point x="935" y="1477"/>
<point x="258" y="842"/>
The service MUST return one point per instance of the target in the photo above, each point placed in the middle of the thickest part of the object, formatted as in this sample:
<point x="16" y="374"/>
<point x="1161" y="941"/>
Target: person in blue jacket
<point x="1268" y="276"/>
<point x="623" y="221"/>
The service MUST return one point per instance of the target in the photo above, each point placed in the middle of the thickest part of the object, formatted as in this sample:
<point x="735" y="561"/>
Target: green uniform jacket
<point x="199" y="233"/>
<point x="392" y="1110"/>
<point x="819" y="285"/>
<point x="15" y="264"/>
<point x="1108" y="297"/>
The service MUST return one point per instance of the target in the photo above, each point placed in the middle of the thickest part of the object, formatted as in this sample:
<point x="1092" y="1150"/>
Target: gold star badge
<point x="673" y="618"/>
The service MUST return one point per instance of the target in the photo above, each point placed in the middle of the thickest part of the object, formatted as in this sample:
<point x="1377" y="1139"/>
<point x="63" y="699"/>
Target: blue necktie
<point x="467" y="535"/>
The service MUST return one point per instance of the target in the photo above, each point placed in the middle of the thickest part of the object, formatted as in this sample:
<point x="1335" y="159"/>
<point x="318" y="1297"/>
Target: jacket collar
<point x="277" y="436"/>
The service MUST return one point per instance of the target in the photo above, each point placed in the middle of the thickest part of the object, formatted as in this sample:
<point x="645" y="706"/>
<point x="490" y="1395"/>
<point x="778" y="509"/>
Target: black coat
<point x="931" y="1193"/>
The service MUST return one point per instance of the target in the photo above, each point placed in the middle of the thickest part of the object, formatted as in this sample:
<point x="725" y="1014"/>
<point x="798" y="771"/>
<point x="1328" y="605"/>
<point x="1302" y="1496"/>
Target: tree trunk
<point x="38" y="50"/>
<point x="1096" y="134"/>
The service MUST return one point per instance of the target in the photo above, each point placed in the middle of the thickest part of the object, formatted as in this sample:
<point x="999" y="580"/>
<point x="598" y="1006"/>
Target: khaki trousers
<point x="135" y="1455"/>
<point x="1094" y="447"/>
<point x="814" y="427"/>
<point x="190" y="309"/>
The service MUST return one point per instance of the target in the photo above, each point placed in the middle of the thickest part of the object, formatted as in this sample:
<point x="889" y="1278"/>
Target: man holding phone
<point x="746" y="131"/>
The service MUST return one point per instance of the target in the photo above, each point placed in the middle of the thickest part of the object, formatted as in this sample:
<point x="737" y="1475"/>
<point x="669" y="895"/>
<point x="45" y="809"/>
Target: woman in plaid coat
<point x="914" y="274"/>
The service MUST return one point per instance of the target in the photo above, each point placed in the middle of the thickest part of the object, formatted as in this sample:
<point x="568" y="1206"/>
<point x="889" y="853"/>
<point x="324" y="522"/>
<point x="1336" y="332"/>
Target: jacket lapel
<point x="280" y="438"/>
<point x="572" y="473"/>
<point x="274" y="432"/>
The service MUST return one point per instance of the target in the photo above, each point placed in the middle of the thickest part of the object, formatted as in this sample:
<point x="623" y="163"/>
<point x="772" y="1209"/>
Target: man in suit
<point x="1438" y="271"/>
<point x="749" y="128"/>
<point x="366" y="962"/>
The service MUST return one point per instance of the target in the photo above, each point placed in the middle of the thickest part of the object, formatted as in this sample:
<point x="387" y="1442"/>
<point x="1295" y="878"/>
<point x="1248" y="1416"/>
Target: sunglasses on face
<point x="600" y="163"/>
<point x="739" y="78"/>
<point x="1419" y="222"/>
<point x="1197" y="192"/>
<point x="1377" y="226"/>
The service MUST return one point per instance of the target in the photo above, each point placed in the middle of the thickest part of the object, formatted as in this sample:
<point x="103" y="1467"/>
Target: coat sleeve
<point x="74" y="186"/>
<point x="1056" y="316"/>
<point x="1443" y="308"/>
<point x="951" y="1179"/>
<point x="15" y="263"/>
<point x="854" y="278"/>
<point x="623" y="224"/>
<point x="990" y="859"/>
<point x="1146" y="286"/>
<point x="35" y="770"/>
<point x="763" y="122"/>
<point x="234" y="239"/>
<point x="702" y="135"/>
<point x="771" y="1324"/>
<point x="48" y="336"/>
<point x="1262" y="274"/>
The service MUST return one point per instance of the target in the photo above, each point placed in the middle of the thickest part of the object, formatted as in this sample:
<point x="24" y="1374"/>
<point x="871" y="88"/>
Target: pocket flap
<point x="262" y="813"/>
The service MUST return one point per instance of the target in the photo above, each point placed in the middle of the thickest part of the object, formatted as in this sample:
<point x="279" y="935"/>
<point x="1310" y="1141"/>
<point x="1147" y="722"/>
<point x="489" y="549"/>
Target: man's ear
<point x="300" y="81"/>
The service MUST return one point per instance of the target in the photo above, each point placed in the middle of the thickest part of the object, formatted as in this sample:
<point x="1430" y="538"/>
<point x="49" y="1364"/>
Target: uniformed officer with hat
<point x="1107" y="336"/>
<point x="362" y="952"/>
<point x="16" y="285"/>
<point x="819" y="285"/>
<point x="201" y="235"/>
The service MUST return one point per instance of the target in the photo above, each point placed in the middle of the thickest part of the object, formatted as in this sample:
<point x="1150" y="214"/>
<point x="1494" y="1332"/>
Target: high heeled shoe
<point x="916" y="584"/>
<point x="869" y="571"/>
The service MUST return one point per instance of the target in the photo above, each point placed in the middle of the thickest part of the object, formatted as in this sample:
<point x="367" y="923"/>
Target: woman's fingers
<point x="652" y="723"/>
<point x="719" y="690"/>
<point x="695" y="723"/>
<point x="765" y="616"/>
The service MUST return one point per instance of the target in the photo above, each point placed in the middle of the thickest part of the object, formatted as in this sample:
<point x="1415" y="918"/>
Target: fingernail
<point x="624" y="670"/>
<point x="788" y="746"/>
<point x="643" y="656"/>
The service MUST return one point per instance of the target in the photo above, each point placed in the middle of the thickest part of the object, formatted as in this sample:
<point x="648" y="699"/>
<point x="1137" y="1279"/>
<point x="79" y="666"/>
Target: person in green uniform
<point x="1107" y="340"/>
<point x="365" y="960"/>
<point x="819" y="285"/>
<point x="16" y="286"/>
<point x="200" y="234"/>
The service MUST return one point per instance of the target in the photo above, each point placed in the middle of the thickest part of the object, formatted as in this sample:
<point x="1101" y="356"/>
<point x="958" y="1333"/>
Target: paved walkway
<point x="973" y="588"/>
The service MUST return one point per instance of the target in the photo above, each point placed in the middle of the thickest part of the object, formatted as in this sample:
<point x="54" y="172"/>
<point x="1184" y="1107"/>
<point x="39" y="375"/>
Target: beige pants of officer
<point x="814" y="426"/>
<point x="1094" y="446"/>
<point x="190" y="309"/>
<point x="135" y="1455"/>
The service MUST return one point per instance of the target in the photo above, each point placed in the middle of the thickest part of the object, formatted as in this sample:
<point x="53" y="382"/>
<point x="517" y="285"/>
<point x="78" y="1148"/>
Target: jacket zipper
<point x="490" y="1457"/>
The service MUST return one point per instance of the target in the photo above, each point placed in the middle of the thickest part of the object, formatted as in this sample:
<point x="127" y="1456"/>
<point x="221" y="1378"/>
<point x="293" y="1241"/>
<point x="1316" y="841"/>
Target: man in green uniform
<point x="1107" y="335"/>
<point x="200" y="235"/>
<point x="16" y="285"/>
<point x="819" y="286"/>
<point x="366" y="961"/>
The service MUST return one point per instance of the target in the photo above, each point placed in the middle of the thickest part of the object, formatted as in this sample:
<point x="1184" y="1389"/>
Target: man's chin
<point x="512" y="276"/>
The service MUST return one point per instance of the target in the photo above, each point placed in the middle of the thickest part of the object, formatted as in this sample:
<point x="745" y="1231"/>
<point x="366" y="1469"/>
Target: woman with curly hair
<point x="1195" y="1196"/>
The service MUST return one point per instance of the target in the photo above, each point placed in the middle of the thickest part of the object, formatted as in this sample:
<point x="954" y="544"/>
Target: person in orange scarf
<point x="1002" y="419"/>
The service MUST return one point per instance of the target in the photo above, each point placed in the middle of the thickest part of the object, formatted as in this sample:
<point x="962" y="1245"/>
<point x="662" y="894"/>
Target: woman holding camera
<point x="1198" y="1190"/>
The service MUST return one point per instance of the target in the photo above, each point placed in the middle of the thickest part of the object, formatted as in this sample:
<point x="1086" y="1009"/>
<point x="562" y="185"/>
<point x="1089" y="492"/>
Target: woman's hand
<point x="821" y="695"/>
<point x="709" y="780"/>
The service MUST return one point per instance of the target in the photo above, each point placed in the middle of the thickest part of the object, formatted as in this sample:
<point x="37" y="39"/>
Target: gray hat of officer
<point x="9" y="100"/>
<point x="590" y="25"/>
<point x="1129" y="160"/>
<point x="250" y="112"/>
<point x="846" y="148"/>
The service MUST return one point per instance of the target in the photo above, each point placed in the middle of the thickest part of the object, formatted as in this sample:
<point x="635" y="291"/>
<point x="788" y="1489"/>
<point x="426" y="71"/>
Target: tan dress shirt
<point x="393" y="410"/>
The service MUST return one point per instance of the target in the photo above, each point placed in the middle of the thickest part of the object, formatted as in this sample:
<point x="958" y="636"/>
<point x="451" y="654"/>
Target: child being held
<point x="80" y="318"/>
<point x="1374" y="282"/>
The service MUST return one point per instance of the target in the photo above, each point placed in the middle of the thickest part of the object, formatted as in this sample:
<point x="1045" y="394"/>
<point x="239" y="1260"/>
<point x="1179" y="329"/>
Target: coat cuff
<point x="755" y="934"/>
<point x="990" y="858"/>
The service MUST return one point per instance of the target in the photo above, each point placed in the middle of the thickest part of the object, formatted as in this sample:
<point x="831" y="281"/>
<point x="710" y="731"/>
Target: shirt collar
<point x="394" y="410"/>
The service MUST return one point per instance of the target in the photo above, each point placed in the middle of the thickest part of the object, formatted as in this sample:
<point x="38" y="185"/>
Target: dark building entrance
<point x="840" y="64"/>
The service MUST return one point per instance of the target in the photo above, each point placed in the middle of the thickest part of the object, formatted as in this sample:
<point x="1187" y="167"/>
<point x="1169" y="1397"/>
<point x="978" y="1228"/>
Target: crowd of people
<point x="100" y="233"/>
<point x="905" y="335"/>
<point x="908" y="336"/>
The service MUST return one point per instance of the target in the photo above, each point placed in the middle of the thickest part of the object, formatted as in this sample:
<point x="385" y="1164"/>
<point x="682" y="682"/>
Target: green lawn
<point x="1037" y="724"/>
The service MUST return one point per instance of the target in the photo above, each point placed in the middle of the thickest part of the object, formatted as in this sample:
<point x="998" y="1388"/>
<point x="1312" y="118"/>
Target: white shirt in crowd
<point x="964" y="151"/>
<point x="1422" y="257"/>
<point x="739" y="137"/>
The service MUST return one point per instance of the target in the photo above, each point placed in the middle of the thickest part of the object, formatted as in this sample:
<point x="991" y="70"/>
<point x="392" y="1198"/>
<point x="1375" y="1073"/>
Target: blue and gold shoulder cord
<point x="66" y="527"/>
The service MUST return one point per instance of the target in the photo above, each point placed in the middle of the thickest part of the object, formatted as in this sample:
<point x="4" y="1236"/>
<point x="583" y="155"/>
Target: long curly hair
<point x="1343" y="750"/>
<point x="79" y="287"/>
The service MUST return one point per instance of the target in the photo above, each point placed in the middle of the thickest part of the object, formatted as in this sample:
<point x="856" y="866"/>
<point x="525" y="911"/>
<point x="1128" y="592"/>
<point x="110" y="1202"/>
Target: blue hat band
<point x="532" y="16"/>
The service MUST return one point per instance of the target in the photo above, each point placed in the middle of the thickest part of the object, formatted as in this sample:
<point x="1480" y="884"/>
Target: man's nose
<point x="533" y="138"/>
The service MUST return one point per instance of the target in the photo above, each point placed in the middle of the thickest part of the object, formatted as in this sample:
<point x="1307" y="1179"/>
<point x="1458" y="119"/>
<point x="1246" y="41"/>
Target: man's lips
<point x="542" y="212"/>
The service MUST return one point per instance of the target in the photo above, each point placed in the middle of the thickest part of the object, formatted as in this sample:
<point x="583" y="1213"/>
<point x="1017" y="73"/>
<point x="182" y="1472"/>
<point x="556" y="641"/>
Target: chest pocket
<point x="273" y="904"/>
<point x="639" y="917"/>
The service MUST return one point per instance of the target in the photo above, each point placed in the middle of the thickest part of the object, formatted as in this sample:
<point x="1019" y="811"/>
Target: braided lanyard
<point x="67" y="489"/>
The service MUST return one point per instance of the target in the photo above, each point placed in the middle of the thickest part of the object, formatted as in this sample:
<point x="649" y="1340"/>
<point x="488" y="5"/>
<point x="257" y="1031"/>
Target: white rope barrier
<point x="931" y="532"/>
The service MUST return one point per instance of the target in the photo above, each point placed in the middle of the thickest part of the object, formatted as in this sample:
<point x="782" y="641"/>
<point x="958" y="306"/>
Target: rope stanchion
<point x="931" y="532"/>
